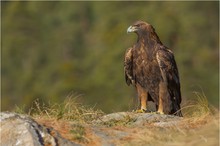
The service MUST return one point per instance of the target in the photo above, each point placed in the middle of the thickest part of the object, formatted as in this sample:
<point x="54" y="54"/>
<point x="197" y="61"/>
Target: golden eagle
<point x="151" y="68"/>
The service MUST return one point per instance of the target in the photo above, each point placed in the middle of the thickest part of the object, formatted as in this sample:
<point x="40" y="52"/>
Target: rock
<point x="21" y="130"/>
<point x="108" y="130"/>
<point x="111" y="129"/>
<point x="132" y="118"/>
<point x="157" y="120"/>
<point x="108" y="136"/>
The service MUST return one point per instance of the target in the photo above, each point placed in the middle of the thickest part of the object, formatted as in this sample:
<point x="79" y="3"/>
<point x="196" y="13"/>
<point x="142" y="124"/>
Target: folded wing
<point x="128" y="69"/>
<point x="170" y="76"/>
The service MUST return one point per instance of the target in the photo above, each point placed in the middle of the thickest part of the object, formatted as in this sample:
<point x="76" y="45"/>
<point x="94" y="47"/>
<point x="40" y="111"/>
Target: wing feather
<point x="169" y="71"/>
<point x="128" y="66"/>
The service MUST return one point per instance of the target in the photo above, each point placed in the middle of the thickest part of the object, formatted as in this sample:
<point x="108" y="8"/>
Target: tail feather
<point x="176" y="109"/>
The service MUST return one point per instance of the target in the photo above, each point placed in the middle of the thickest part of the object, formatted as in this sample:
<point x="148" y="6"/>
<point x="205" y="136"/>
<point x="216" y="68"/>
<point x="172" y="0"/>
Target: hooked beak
<point x="131" y="29"/>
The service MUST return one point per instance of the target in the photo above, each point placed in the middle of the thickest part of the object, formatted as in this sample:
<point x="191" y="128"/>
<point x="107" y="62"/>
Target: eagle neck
<point x="148" y="44"/>
<point x="149" y="40"/>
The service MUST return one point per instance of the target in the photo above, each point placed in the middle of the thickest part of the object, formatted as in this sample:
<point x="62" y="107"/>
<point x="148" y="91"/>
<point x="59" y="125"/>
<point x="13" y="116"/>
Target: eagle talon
<point x="160" y="113"/>
<point x="153" y="112"/>
<point x="142" y="111"/>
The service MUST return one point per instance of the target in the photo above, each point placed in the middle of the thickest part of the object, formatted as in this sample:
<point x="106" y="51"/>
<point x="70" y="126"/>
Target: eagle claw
<point x="142" y="111"/>
<point x="161" y="113"/>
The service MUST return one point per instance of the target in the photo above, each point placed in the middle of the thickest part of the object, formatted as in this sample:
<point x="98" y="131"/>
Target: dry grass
<point x="175" y="136"/>
<point x="198" y="107"/>
<point x="200" y="125"/>
<point x="198" y="112"/>
<point x="69" y="110"/>
<point x="69" y="118"/>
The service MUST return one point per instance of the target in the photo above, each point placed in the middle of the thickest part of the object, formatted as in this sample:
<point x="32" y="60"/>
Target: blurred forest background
<point x="51" y="50"/>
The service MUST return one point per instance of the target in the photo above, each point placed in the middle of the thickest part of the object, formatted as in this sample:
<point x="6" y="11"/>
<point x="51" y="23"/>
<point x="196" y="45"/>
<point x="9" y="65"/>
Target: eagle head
<point x="140" y="27"/>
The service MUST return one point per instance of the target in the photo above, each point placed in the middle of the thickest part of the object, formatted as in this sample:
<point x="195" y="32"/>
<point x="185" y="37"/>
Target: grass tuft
<point x="78" y="133"/>
<point x="199" y="107"/>
<point x="19" y="110"/>
<point x="69" y="110"/>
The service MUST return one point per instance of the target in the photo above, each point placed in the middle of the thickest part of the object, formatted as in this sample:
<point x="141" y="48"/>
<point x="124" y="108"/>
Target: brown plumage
<point x="151" y="68"/>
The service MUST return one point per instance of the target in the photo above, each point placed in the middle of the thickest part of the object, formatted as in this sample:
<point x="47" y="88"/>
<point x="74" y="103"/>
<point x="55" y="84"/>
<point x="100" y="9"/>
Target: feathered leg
<point x="162" y="94"/>
<point x="143" y="97"/>
<point x="165" y="102"/>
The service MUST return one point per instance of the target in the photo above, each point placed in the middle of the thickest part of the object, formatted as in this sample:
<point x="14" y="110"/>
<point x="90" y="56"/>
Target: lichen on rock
<point x="22" y="130"/>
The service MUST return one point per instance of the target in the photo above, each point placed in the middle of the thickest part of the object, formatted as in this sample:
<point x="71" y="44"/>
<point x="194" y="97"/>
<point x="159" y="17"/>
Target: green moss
<point x="78" y="133"/>
<point x="126" y="121"/>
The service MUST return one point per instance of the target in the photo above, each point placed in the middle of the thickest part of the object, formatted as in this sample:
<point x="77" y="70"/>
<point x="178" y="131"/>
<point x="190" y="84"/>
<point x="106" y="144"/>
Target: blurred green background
<point x="51" y="50"/>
